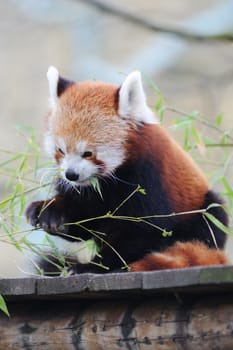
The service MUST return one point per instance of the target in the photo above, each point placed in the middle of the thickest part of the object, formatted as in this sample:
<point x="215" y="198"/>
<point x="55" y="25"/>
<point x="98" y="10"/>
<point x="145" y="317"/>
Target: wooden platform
<point x="186" y="309"/>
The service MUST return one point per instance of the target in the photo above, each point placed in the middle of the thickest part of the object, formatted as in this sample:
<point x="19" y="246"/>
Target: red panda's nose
<point x="71" y="175"/>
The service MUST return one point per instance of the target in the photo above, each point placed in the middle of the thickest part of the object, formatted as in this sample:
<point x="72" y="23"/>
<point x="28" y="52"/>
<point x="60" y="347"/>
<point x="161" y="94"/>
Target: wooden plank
<point x="189" y="280"/>
<point x="161" y="323"/>
<point x="17" y="287"/>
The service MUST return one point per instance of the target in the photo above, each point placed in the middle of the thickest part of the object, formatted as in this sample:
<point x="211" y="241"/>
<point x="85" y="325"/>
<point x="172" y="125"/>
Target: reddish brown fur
<point x="78" y="97"/>
<point x="181" y="255"/>
<point x="58" y="156"/>
<point x="181" y="177"/>
<point x="88" y="111"/>
<point x="98" y="162"/>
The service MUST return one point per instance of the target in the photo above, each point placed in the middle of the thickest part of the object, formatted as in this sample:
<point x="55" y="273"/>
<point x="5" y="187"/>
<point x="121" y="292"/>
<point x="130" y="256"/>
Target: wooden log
<point x="169" y="310"/>
<point x="161" y="323"/>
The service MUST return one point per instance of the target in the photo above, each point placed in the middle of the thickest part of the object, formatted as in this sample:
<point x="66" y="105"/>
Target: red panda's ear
<point x="57" y="85"/>
<point x="53" y="77"/>
<point x="132" y="100"/>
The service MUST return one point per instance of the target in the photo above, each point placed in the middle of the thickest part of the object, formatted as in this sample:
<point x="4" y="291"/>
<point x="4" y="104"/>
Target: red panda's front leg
<point x="48" y="215"/>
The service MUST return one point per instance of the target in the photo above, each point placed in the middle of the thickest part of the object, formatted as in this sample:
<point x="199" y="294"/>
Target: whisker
<point x="116" y="178"/>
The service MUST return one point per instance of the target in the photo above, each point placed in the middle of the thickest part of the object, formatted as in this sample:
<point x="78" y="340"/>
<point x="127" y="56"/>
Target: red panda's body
<point x="97" y="130"/>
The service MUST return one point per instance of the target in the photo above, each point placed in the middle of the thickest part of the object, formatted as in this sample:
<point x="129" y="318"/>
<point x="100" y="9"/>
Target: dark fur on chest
<point x="134" y="238"/>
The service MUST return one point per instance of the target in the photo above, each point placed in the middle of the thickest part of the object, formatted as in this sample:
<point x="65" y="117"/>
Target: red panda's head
<point x="89" y="122"/>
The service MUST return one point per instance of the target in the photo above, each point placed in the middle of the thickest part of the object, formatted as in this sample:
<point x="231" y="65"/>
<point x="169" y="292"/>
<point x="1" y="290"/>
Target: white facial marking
<point x="81" y="147"/>
<point x="132" y="100"/>
<point x="53" y="77"/>
<point x="111" y="156"/>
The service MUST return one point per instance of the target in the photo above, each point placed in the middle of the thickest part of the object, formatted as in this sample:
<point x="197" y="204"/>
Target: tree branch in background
<point x="123" y="13"/>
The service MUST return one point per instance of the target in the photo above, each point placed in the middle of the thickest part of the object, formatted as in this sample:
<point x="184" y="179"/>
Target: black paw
<point x="33" y="212"/>
<point x="47" y="217"/>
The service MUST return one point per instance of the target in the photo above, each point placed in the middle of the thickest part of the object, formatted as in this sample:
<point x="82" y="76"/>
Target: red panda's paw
<point x="33" y="212"/>
<point x="47" y="217"/>
<point x="181" y="255"/>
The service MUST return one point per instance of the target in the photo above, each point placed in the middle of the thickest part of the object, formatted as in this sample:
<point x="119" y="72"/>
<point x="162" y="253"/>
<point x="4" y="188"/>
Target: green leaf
<point x="186" y="140"/>
<point x="182" y="122"/>
<point x="22" y="165"/>
<point x="159" y="103"/>
<point x="27" y="128"/>
<point x="196" y="135"/>
<point x="161" y="113"/>
<point x="92" y="246"/>
<point x="219" y="119"/>
<point x="228" y="190"/>
<point x="11" y="160"/>
<point x="152" y="84"/>
<point x="194" y="114"/>
<point x="57" y="254"/>
<point x="218" y="223"/>
<point x="167" y="233"/>
<point x="96" y="186"/>
<point x="227" y="186"/>
<point x="4" y="203"/>
<point x="142" y="191"/>
<point x="3" y="306"/>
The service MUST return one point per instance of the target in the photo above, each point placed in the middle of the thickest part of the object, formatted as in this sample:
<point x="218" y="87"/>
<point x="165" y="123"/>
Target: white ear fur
<point x="53" y="77"/>
<point x="132" y="100"/>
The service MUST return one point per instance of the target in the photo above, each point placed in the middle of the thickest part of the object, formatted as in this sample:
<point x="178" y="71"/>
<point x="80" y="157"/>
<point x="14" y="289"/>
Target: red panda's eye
<point x="61" y="151"/>
<point x="87" y="154"/>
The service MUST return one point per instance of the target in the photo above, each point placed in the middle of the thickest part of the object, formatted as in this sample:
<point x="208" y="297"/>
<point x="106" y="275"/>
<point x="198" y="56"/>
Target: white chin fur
<point x="79" y="184"/>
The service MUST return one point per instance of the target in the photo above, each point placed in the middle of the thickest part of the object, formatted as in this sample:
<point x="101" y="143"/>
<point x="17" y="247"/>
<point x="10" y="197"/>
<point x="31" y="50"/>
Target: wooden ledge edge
<point x="195" y="279"/>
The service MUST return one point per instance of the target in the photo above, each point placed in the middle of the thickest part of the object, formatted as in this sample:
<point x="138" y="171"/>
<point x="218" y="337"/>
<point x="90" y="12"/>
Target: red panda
<point x="97" y="130"/>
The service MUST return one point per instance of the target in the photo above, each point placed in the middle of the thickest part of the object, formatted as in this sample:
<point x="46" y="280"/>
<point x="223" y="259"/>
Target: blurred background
<point x="184" y="46"/>
<point x="87" y="41"/>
